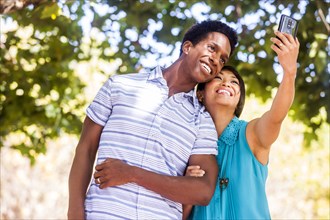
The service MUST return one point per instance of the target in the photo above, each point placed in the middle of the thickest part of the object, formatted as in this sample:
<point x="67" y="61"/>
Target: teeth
<point x="222" y="91"/>
<point x="206" y="67"/>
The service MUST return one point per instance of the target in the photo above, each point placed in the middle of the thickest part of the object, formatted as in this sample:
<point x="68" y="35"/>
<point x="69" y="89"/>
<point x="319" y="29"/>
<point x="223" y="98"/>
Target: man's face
<point x="206" y="59"/>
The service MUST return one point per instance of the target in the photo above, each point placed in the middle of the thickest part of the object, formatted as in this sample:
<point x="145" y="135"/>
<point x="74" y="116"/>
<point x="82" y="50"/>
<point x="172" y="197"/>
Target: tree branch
<point x="8" y="6"/>
<point x="321" y="14"/>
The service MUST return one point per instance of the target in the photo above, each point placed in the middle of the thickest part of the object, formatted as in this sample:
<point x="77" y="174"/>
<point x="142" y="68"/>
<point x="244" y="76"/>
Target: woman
<point x="243" y="147"/>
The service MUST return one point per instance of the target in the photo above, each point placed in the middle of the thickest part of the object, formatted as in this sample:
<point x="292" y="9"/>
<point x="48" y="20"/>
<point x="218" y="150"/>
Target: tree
<point x="8" y="6"/>
<point x="39" y="90"/>
<point x="38" y="85"/>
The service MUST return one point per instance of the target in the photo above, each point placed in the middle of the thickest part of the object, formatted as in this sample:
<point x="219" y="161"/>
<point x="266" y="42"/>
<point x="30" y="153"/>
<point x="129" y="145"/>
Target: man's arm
<point x="82" y="168"/>
<point x="182" y="189"/>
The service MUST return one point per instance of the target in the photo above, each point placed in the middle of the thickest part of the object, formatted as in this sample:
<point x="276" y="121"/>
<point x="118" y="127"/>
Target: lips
<point x="223" y="91"/>
<point x="206" y="67"/>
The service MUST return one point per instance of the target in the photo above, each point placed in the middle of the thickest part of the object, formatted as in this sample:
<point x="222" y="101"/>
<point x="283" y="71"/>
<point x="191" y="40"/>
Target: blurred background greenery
<point x="56" y="54"/>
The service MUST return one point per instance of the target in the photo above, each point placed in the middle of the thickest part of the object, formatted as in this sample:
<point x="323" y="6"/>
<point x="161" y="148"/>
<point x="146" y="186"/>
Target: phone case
<point x="288" y="25"/>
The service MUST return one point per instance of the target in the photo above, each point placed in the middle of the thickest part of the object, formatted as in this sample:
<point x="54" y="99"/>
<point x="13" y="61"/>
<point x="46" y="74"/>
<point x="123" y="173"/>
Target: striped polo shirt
<point x="146" y="128"/>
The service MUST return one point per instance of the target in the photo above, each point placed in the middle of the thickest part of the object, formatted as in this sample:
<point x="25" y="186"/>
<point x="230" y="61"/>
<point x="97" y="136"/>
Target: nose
<point x="215" y="61"/>
<point x="225" y="83"/>
<point x="215" y="58"/>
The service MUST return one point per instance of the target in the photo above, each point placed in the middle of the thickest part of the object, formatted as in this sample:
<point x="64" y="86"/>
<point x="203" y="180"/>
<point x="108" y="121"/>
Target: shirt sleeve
<point x="206" y="140"/>
<point x="100" y="109"/>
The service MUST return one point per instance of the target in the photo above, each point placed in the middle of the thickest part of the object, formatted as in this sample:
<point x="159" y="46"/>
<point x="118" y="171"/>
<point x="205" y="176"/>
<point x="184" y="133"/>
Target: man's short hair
<point x="199" y="31"/>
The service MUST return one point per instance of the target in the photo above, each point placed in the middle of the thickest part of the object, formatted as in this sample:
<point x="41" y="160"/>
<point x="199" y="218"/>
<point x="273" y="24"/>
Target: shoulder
<point x="126" y="80"/>
<point x="204" y="119"/>
<point x="129" y="77"/>
<point x="234" y="131"/>
<point x="251" y="133"/>
<point x="260" y="153"/>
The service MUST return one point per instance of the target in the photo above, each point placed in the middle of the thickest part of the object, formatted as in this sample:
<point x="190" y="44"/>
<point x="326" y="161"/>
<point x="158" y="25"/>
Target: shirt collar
<point x="230" y="134"/>
<point x="156" y="73"/>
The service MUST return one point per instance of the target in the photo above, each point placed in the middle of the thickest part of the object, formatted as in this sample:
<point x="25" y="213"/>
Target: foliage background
<point x="50" y="51"/>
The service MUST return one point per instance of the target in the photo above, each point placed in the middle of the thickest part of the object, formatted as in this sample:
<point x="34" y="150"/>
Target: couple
<point x="153" y="125"/>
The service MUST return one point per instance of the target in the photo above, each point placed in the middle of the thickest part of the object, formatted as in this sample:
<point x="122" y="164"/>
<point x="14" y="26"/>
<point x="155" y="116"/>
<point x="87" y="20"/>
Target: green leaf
<point x="51" y="11"/>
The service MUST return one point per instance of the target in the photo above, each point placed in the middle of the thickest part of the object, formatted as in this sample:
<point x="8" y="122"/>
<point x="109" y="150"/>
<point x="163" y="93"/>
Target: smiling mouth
<point x="222" y="91"/>
<point x="206" y="67"/>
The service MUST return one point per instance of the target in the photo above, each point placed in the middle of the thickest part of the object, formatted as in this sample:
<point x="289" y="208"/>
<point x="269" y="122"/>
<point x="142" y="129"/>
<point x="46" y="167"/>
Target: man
<point x="151" y="121"/>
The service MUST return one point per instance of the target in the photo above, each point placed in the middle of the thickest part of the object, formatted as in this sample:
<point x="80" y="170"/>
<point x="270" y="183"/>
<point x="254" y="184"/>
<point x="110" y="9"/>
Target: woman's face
<point x="223" y="90"/>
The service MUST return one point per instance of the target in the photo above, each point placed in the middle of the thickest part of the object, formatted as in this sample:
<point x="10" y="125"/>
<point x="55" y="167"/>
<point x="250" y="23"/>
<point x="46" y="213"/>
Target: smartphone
<point x="288" y="25"/>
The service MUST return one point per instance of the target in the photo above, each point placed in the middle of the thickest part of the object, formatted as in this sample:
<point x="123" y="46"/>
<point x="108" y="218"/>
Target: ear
<point x="186" y="46"/>
<point x="200" y="96"/>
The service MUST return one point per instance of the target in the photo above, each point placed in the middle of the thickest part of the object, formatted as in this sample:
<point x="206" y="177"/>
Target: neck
<point x="221" y="119"/>
<point x="177" y="79"/>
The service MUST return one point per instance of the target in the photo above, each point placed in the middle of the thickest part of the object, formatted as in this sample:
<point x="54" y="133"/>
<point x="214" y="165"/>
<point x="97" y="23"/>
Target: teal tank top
<point x="240" y="191"/>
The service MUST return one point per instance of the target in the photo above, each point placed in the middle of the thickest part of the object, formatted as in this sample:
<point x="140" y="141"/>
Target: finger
<point x="285" y="38"/>
<point x="289" y="38"/>
<point x="292" y="45"/>
<point x="98" y="175"/>
<point x="102" y="185"/>
<point x="108" y="160"/>
<point x="98" y="180"/>
<point x="98" y="167"/>
<point x="193" y="167"/>
<point x="106" y="183"/>
<point x="191" y="173"/>
<point x="281" y="36"/>
<point x="197" y="171"/>
<point x="198" y="174"/>
<point x="277" y="42"/>
<point x="297" y="41"/>
<point x="275" y="48"/>
<point x="102" y="165"/>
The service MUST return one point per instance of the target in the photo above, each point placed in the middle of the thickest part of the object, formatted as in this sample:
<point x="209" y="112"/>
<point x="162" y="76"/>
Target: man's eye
<point x="222" y="61"/>
<point x="211" y="47"/>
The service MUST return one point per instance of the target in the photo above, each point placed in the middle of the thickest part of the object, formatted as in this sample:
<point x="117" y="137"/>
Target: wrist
<point x="137" y="175"/>
<point x="290" y="71"/>
<point x="76" y="212"/>
<point x="290" y="75"/>
<point x="134" y="173"/>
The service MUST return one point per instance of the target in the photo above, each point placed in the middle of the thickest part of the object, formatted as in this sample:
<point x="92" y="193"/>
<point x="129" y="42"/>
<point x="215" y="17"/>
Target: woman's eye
<point x="222" y="61"/>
